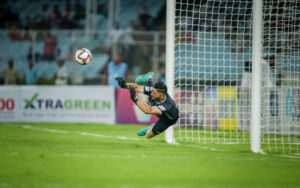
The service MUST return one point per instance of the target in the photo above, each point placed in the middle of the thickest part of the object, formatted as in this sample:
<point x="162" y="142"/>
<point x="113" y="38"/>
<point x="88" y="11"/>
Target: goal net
<point x="213" y="65"/>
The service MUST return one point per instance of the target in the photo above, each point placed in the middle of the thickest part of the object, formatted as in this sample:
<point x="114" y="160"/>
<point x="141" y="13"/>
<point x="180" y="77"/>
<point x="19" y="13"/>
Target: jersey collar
<point x="163" y="100"/>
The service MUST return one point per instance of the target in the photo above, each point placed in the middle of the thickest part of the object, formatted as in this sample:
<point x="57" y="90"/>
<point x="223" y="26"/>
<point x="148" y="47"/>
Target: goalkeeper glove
<point x="132" y="95"/>
<point x="121" y="82"/>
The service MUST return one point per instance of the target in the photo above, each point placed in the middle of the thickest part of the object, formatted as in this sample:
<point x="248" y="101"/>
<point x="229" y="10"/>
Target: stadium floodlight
<point x="236" y="70"/>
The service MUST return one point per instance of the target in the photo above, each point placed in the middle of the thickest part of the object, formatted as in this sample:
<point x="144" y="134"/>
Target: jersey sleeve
<point x="147" y="90"/>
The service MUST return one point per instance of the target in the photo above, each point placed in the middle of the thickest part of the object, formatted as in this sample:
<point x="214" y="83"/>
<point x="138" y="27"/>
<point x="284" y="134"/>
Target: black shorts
<point x="161" y="125"/>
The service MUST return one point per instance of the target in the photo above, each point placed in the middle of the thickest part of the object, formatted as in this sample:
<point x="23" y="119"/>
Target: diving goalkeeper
<point x="159" y="103"/>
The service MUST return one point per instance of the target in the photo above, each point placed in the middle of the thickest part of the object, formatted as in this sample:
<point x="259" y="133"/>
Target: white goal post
<point x="233" y="68"/>
<point x="170" y="47"/>
<point x="256" y="76"/>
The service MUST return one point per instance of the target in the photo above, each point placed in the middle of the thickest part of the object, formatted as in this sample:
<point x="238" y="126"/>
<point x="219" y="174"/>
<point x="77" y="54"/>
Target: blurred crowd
<point x="234" y="22"/>
<point x="121" y="42"/>
<point x="72" y="17"/>
<point x="45" y="19"/>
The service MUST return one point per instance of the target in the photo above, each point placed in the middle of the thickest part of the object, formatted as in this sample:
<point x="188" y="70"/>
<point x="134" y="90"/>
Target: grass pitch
<point x="99" y="155"/>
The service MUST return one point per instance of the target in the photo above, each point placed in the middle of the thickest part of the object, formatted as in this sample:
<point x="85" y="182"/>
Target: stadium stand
<point x="229" y="58"/>
<point x="27" y="16"/>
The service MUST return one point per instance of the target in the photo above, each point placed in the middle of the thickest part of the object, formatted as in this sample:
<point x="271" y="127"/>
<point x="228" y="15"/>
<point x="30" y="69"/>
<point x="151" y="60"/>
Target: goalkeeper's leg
<point x="144" y="131"/>
<point x="145" y="79"/>
<point x="149" y="77"/>
<point x="155" y="129"/>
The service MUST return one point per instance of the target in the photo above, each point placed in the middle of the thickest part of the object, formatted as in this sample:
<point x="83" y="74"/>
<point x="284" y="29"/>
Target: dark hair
<point x="161" y="87"/>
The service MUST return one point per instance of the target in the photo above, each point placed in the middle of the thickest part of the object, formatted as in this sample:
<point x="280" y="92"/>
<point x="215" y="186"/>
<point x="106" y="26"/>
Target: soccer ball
<point x="83" y="56"/>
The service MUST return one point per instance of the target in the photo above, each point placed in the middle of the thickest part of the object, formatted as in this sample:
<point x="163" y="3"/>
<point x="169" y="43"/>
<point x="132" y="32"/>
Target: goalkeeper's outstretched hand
<point x="121" y="82"/>
<point x="132" y="94"/>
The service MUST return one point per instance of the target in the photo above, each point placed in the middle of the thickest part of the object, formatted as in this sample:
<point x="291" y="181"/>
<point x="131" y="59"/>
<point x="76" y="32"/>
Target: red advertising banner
<point x="128" y="112"/>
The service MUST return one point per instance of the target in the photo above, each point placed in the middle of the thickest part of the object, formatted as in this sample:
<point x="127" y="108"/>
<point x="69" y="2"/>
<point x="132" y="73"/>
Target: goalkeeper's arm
<point x="137" y="87"/>
<point x="122" y="83"/>
<point x="145" y="108"/>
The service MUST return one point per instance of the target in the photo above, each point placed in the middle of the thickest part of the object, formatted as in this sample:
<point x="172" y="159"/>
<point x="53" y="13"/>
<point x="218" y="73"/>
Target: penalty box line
<point x="78" y="133"/>
<point x="72" y="132"/>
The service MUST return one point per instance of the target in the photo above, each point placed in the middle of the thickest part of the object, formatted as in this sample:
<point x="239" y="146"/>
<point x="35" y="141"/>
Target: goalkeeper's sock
<point x="144" y="131"/>
<point x="150" y="81"/>
<point x="143" y="79"/>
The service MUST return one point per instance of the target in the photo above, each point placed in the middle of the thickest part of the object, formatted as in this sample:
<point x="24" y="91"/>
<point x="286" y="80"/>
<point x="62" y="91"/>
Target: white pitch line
<point x="108" y="155"/>
<point x="204" y="148"/>
<point x="79" y="133"/>
<point x="290" y="156"/>
<point x="10" y="153"/>
<point x="45" y="129"/>
<point x="124" y="156"/>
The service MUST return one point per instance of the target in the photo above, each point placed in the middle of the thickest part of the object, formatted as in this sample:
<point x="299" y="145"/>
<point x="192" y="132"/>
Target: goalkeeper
<point x="159" y="103"/>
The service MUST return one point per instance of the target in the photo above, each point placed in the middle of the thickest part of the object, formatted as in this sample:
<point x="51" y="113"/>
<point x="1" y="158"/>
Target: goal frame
<point x="257" y="9"/>
<point x="170" y="60"/>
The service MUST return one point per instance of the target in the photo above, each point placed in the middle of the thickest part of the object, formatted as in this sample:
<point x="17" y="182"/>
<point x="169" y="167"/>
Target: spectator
<point x="55" y="16"/>
<point x="11" y="75"/>
<point x="70" y="55"/>
<point x="268" y="79"/>
<point x="32" y="56"/>
<point x="68" y="14"/>
<point x="10" y="17"/>
<point x="133" y="26"/>
<point x="128" y="36"/>
<point x="45" y="14"/>
<point x="94" y="42"/>
<point x="2" y="18"/>
<point x="49" y="47"/>
<point x="275" y="75"/>
<point x="79" y="11"/>
<point x="14" y="33"/>
<point x="144" y="19"/>
<point x="116" y="33"/>
<point x="268" y="75"/>
<point x="142" y="58"/>
<point x="67" y="19"/>
<point x="58" y="55"/>
<point x="29" y="23"/>
<point x="102" y="10"/>
<point x="26" y="35"/>
<point x="62" y="74"/>
<point x="31" y="74"/>
<point x="114" y="37"/>
<point x="115" y="68"/>
<point x="246" y="76"/>
<point x="161" y="73"/>
<point x="43" y="24"/>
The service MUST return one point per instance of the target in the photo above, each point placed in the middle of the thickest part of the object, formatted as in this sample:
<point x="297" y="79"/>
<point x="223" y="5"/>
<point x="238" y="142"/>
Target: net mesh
<point x="281" y="74"/>
<point x="213" y="52"/>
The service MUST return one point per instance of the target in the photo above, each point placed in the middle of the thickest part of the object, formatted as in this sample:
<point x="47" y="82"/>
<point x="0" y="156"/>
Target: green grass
<point x="271" y="143"/>
<point x="93" y="155"/>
